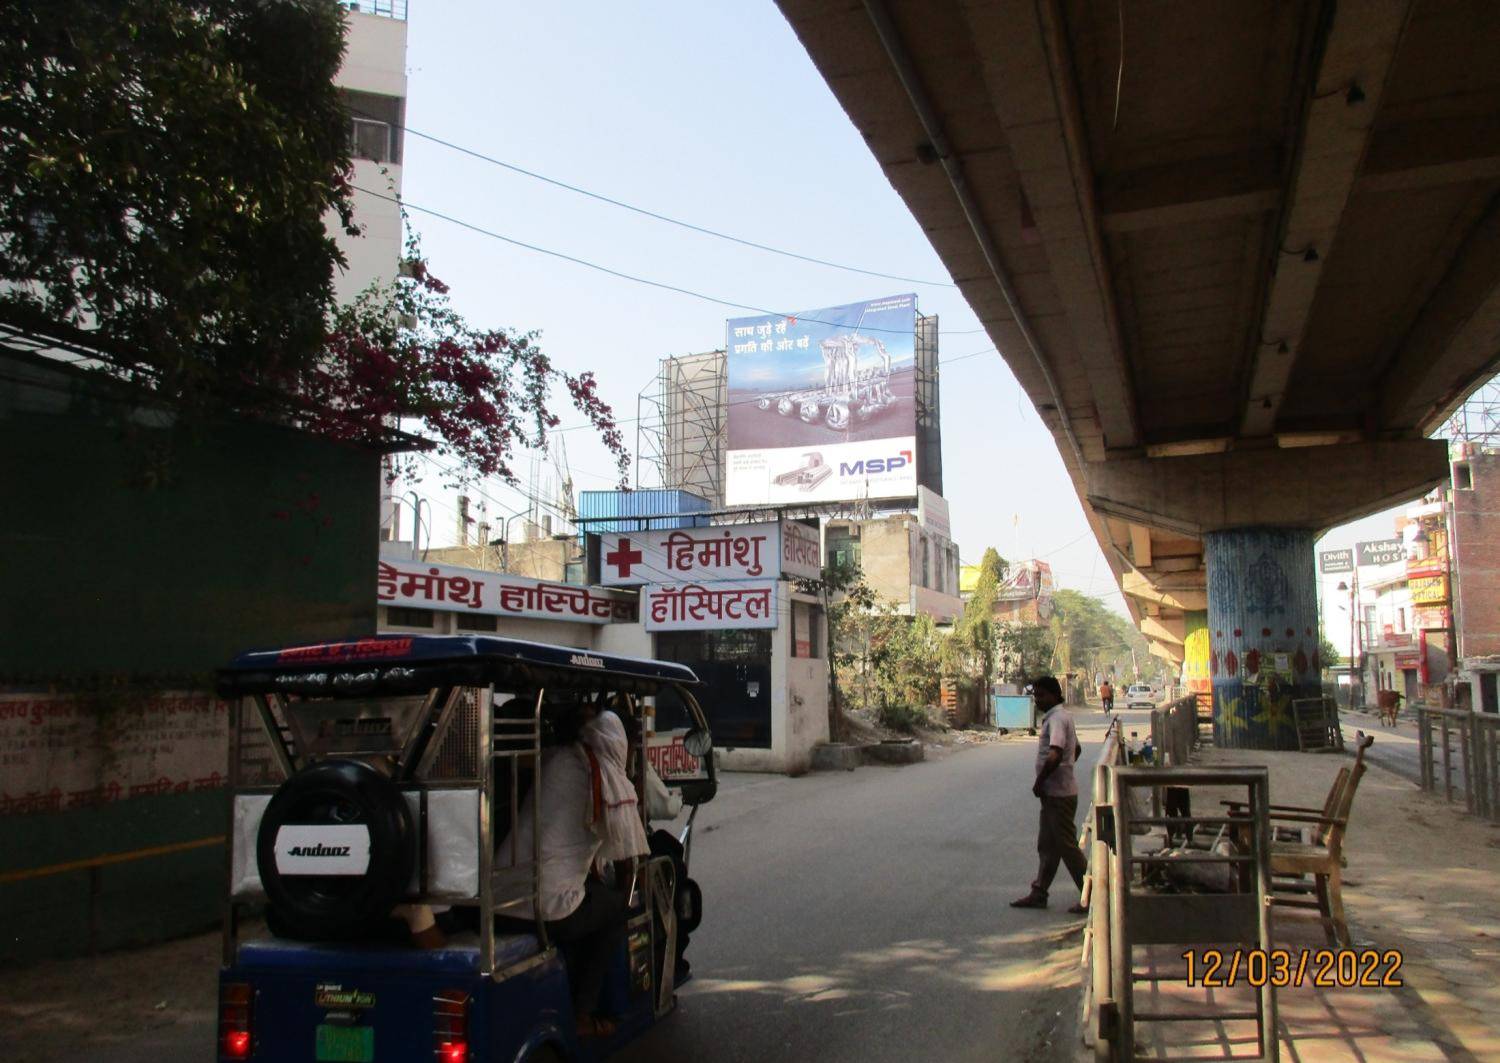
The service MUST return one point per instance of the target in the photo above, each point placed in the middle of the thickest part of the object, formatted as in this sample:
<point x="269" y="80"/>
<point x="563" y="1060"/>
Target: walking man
<point x="1057" y="788"/>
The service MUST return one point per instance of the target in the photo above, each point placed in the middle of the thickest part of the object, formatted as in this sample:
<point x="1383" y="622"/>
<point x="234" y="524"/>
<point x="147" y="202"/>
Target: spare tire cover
<point x="336" y="850"/>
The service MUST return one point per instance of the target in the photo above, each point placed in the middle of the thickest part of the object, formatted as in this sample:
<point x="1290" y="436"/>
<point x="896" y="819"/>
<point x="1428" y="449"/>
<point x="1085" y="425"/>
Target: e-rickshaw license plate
<point x="345" y="1044"/>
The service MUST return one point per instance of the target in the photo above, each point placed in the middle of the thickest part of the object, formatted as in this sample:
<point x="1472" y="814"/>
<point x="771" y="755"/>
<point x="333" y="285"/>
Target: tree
<point x="1025" y="651"/>
<point x="844" y="594"/>
<point x="400" y="352"/>
<point x="1327" y="654"/>
<point x="167" y="168"/>
<point x="1092" y="637"/>
<point x="970" y="650"/>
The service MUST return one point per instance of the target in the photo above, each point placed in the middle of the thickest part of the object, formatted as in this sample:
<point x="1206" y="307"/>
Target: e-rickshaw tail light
<point x="450" y="1026"/>
<point x="235" y="1031"/>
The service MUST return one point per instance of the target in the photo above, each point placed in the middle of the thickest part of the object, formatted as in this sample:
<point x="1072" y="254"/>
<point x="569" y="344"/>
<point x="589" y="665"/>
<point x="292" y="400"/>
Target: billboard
<point x="822" y="404"/>
<point x="1380" y="552"/>
<point x="1333" y="562"/>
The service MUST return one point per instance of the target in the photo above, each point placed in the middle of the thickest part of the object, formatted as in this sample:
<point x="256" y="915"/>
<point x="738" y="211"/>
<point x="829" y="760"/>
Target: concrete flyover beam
<point x="1305" y="487"/>
<point x="1361" y="46"/>
<point x="1166" y="651"/>
<point x="1028" y="70"/>
<point x="1453" y="346"/>
<point x="1171" y="631"/>
<point x="1184" y="591"/>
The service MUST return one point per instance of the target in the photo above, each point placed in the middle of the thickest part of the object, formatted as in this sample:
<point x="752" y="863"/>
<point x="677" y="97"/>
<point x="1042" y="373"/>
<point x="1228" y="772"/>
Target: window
<point x="807" y="630"/>
<point x="1463" y="477"/>
<point x="400" y="616"/>
<point x="843" y="550"/>
<point x="1401" y="619"/>
<point x="478" y="623"/>
<point x="374" y="126"/>
<point x="926" y="563"/>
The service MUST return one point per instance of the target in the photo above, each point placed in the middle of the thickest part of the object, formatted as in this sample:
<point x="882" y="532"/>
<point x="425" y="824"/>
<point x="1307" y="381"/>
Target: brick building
<point x="1474" y="518"/>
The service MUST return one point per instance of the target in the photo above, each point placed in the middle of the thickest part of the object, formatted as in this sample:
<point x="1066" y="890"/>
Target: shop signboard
<point x="667" y="754"/>
<point x="1428" y="590"/>
<point x="423" y="585"/>
<point x="1335" y="562"/>
<point x="1381" y="552"/>
<point x="822" y="404"/>
<point x="740" y="605"/>
<point x="713" y="554"/>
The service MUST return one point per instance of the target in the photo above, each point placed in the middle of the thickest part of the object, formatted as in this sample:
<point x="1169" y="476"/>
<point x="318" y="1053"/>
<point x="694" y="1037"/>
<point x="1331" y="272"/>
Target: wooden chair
<point x="1321" y="854"/>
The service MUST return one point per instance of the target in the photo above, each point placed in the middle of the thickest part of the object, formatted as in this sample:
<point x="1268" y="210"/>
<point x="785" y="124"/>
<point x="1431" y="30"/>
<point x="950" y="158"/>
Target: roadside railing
<point x="1132" y="923"/>
<point x="1460" y="757"/>
<point x="1174" y="732"/>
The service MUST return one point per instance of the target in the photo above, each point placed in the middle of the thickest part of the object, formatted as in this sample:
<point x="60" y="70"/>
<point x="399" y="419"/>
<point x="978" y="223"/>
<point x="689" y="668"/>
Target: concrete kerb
<point x="846" y="756"/>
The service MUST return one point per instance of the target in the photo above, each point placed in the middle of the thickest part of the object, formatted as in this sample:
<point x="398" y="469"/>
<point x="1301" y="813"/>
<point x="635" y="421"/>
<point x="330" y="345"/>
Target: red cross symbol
<point x="622" y="557"/>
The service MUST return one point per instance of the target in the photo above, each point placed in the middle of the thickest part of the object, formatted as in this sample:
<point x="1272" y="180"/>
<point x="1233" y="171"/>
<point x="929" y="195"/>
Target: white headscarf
<point x="613" y="813"/>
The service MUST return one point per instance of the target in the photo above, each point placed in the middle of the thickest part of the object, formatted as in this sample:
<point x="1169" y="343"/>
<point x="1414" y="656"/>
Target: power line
<point x="663" y="217"/>
<point x="606" y="269"/>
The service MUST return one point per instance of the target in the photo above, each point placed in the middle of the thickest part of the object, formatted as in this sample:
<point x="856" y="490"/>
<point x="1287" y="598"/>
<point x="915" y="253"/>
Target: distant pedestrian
<point x="1107" y="695"/>
<point x="1057" y="789"/>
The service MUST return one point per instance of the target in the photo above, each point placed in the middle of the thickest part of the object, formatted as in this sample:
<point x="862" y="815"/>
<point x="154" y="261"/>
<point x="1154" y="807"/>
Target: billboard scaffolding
<point x="929" y="407"/>
<point x="680" y="423"/>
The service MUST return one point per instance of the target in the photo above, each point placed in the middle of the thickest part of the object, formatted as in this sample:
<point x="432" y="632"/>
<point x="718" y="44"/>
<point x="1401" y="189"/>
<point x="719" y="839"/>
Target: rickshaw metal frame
<point x="656" y="874"/>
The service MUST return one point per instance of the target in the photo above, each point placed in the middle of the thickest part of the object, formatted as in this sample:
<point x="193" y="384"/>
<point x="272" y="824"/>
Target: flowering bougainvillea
<point x="399" y="355"/>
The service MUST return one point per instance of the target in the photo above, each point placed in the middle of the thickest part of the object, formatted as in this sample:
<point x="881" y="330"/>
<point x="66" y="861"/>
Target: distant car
<point x="1139" y="695"/>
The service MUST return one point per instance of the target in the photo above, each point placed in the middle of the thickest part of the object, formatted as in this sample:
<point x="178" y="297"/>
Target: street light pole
<point x="1355" y="650"/>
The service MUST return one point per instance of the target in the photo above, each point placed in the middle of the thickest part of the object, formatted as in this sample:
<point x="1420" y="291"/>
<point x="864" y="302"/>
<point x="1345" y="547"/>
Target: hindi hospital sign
<point x="698" y="607"/>
<point x="710" y="555"/>
<point x="431" y="586"/>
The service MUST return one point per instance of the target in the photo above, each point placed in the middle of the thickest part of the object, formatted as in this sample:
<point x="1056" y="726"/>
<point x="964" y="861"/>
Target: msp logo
<point x="875" y="466"/>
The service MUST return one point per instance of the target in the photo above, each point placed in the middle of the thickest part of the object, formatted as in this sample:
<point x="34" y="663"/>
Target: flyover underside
<point x="1242" y="256"/>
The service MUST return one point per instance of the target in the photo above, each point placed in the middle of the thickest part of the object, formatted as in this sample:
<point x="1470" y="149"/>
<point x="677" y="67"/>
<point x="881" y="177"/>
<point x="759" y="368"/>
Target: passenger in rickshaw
<point x="591" y="832"/>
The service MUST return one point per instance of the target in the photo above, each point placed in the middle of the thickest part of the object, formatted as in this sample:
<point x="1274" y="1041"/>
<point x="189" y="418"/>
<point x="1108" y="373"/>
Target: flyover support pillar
<point x="1263" y="633"/>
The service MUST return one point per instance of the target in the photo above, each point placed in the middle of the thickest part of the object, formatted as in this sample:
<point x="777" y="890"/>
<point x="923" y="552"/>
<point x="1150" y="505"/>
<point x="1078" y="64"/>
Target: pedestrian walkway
<point x="1423" y="879"/>
<point x="1396" y="748"/>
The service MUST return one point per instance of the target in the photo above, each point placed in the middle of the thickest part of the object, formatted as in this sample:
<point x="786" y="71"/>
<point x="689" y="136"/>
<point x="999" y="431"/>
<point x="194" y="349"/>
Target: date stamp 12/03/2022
<point x="1294" y="968"/>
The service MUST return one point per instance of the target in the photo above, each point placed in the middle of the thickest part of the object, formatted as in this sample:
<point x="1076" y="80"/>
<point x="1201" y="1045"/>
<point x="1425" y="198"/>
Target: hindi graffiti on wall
<point x="60" y="753"/>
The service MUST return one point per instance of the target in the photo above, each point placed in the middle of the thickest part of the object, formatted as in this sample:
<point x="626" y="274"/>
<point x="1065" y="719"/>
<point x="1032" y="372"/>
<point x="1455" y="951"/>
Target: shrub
<point x="903" y="718"/>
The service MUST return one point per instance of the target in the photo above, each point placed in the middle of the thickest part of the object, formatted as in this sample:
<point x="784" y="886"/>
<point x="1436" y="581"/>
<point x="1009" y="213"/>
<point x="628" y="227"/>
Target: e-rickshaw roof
<point x="403" y="663"/>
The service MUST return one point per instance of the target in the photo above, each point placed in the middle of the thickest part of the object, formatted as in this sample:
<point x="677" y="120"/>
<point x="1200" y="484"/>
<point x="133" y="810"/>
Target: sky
<point x="710" y="112"/>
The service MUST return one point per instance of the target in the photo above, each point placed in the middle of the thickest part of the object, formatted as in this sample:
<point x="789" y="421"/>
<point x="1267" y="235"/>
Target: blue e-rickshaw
<point x="381" y="775"/>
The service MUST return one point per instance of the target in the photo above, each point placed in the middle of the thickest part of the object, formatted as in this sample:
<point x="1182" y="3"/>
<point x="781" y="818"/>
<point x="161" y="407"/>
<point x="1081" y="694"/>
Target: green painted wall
<point x="125" y="572"/>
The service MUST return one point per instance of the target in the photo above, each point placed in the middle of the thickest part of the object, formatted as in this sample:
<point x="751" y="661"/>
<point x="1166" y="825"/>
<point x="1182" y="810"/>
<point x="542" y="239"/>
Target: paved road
<point x="854" y="916"/>
<point x="1395" y="749"/>
<point x="863" y="917"/>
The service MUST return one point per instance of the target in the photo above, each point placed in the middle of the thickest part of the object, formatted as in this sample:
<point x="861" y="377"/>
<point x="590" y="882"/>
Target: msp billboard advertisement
<point x="822" y="404"/>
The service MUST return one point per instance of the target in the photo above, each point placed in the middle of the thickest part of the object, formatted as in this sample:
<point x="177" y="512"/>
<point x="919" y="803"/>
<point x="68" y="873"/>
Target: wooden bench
<point x="1320" y="852"/>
